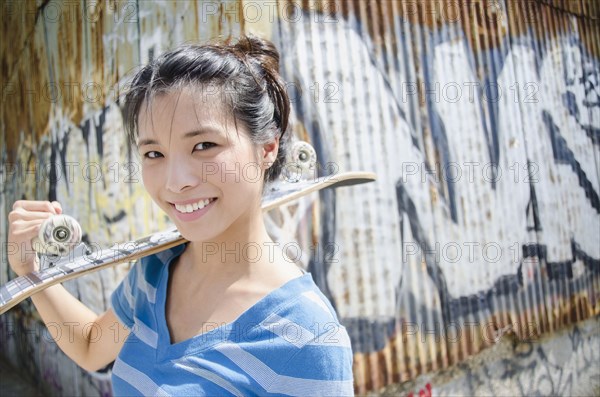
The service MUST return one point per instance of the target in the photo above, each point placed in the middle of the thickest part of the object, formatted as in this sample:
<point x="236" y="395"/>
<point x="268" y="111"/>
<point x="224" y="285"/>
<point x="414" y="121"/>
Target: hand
<point x="24" y="222"/>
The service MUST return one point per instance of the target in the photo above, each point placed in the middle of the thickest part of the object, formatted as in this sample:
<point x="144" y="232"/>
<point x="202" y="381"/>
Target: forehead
<point x="182" y="111"/>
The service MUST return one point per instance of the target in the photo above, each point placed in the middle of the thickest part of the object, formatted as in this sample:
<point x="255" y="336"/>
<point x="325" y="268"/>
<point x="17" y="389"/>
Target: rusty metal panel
<point x="481" y="119"/>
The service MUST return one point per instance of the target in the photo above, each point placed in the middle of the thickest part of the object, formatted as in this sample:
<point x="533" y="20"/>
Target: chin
<point x="197" y="234"/>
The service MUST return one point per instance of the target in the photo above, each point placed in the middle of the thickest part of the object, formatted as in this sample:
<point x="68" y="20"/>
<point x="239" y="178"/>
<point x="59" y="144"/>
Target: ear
<point x="269" y="153"/>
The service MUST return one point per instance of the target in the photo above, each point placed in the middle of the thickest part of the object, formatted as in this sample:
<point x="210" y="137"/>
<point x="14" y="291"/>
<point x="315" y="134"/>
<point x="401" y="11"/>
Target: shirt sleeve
<point x="123" y="298"/>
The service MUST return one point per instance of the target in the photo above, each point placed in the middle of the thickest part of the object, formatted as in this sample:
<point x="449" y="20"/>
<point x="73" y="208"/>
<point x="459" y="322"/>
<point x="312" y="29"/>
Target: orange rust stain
<point x="385" y="367"/>
<point x="97" y="32"/>
<point x="483" y="25"/>
<point x="67" y="63"/>
<point x="26" y="98"/>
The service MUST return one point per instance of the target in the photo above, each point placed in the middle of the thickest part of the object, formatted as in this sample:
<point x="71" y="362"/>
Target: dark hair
<point x="245" y="73"/>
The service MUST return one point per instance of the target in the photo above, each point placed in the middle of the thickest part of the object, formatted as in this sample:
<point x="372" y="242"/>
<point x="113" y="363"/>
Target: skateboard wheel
<point x="58" y="235"/>
<point x="302" y="162"/>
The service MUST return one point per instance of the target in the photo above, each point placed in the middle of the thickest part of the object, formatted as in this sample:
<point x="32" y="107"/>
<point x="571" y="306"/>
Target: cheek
<point x="151" y="179"/>
<point x="252" y="174"/>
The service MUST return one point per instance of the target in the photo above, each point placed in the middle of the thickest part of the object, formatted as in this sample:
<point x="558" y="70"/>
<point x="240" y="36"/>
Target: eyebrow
<point x="190" y="134"/>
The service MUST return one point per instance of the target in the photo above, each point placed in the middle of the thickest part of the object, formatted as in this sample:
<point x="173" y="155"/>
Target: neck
<point x="242" y="247"/>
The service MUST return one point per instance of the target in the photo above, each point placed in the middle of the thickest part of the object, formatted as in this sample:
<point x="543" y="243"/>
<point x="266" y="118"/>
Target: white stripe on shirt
<point x="145" y="333"/>
<point x="300" y="336"/>
<point x="275" y="383"/>
<point x="145" y="286"/>
<point x="138" y="380"/>
<point x="288" y="330"/>
<point x="208" y="375"/>
<point x="127" y="293"/>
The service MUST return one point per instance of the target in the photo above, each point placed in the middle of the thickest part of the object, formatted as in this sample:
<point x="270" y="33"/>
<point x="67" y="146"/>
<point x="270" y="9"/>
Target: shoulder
<point x="137" y="294"/>
<point x="298" y="347"/>
<point x="317" y="345"/>
<point x="145" y="275"/>
<point x="295" y="317"/>
<point x="307" y="306"/>
<point x="151" y="267"/>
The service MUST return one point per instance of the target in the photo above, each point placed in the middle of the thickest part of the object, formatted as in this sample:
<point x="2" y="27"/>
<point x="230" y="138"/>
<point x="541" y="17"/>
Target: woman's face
<point x="206" y="175"/>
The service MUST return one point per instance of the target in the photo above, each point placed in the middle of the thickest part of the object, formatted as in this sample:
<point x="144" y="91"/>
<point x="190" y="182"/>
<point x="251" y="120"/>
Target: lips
<point x="186" y="208"/>
<point x="191" y="210"/>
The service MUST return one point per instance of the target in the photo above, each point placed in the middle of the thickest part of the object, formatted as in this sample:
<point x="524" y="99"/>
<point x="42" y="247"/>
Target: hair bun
<point x="261" y="50"/>
<point x="250" y="47"/>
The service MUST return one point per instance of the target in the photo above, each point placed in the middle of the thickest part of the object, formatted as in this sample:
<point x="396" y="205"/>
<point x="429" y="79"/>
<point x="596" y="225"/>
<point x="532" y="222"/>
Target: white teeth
<point x="187" y="208"/>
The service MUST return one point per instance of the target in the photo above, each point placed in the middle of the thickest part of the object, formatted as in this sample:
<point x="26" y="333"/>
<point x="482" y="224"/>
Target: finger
<point x="32" y="205"/>
<point x="57" y="207"/>
<point x="28" y="232"/>
<point x="24" y="215"/>
<point x="21" y="224"/>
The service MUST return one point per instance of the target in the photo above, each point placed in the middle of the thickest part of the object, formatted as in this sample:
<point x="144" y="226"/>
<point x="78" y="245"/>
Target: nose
<point x="180" y="176"/>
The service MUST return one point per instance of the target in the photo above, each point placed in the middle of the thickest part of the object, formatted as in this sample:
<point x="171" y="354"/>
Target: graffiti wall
<point x="480" y="118"/>
<point x="558" y="365"/>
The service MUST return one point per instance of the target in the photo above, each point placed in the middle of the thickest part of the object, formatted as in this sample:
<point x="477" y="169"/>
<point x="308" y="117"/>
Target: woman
<point x="226" y="313"/>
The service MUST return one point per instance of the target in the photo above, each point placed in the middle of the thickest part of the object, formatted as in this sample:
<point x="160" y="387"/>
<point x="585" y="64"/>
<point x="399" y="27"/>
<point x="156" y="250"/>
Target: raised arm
<point x="91" y="340"/>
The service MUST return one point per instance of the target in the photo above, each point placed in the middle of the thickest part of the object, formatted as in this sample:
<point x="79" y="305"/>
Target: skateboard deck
<point x="78" y="262"/>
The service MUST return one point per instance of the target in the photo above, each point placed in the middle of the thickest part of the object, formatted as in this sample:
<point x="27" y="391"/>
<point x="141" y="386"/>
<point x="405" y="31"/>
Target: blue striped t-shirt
<point x="289" y="343"/>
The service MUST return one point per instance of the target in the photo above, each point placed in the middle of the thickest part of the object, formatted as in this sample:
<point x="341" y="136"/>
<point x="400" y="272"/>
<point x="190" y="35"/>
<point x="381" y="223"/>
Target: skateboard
<point x="65" y="257"/>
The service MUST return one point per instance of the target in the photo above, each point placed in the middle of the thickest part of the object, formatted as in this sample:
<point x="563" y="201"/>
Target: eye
<point x="153" y="154"/>
<point x="204" y="146"/>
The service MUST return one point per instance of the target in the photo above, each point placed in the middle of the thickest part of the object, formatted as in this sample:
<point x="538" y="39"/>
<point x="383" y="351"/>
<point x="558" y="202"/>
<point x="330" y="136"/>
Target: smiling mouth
<point x="189" y="208"/>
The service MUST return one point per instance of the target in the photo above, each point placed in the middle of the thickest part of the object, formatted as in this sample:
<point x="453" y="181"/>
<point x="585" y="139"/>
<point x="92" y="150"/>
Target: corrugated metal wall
<point x="481" y="119"/>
